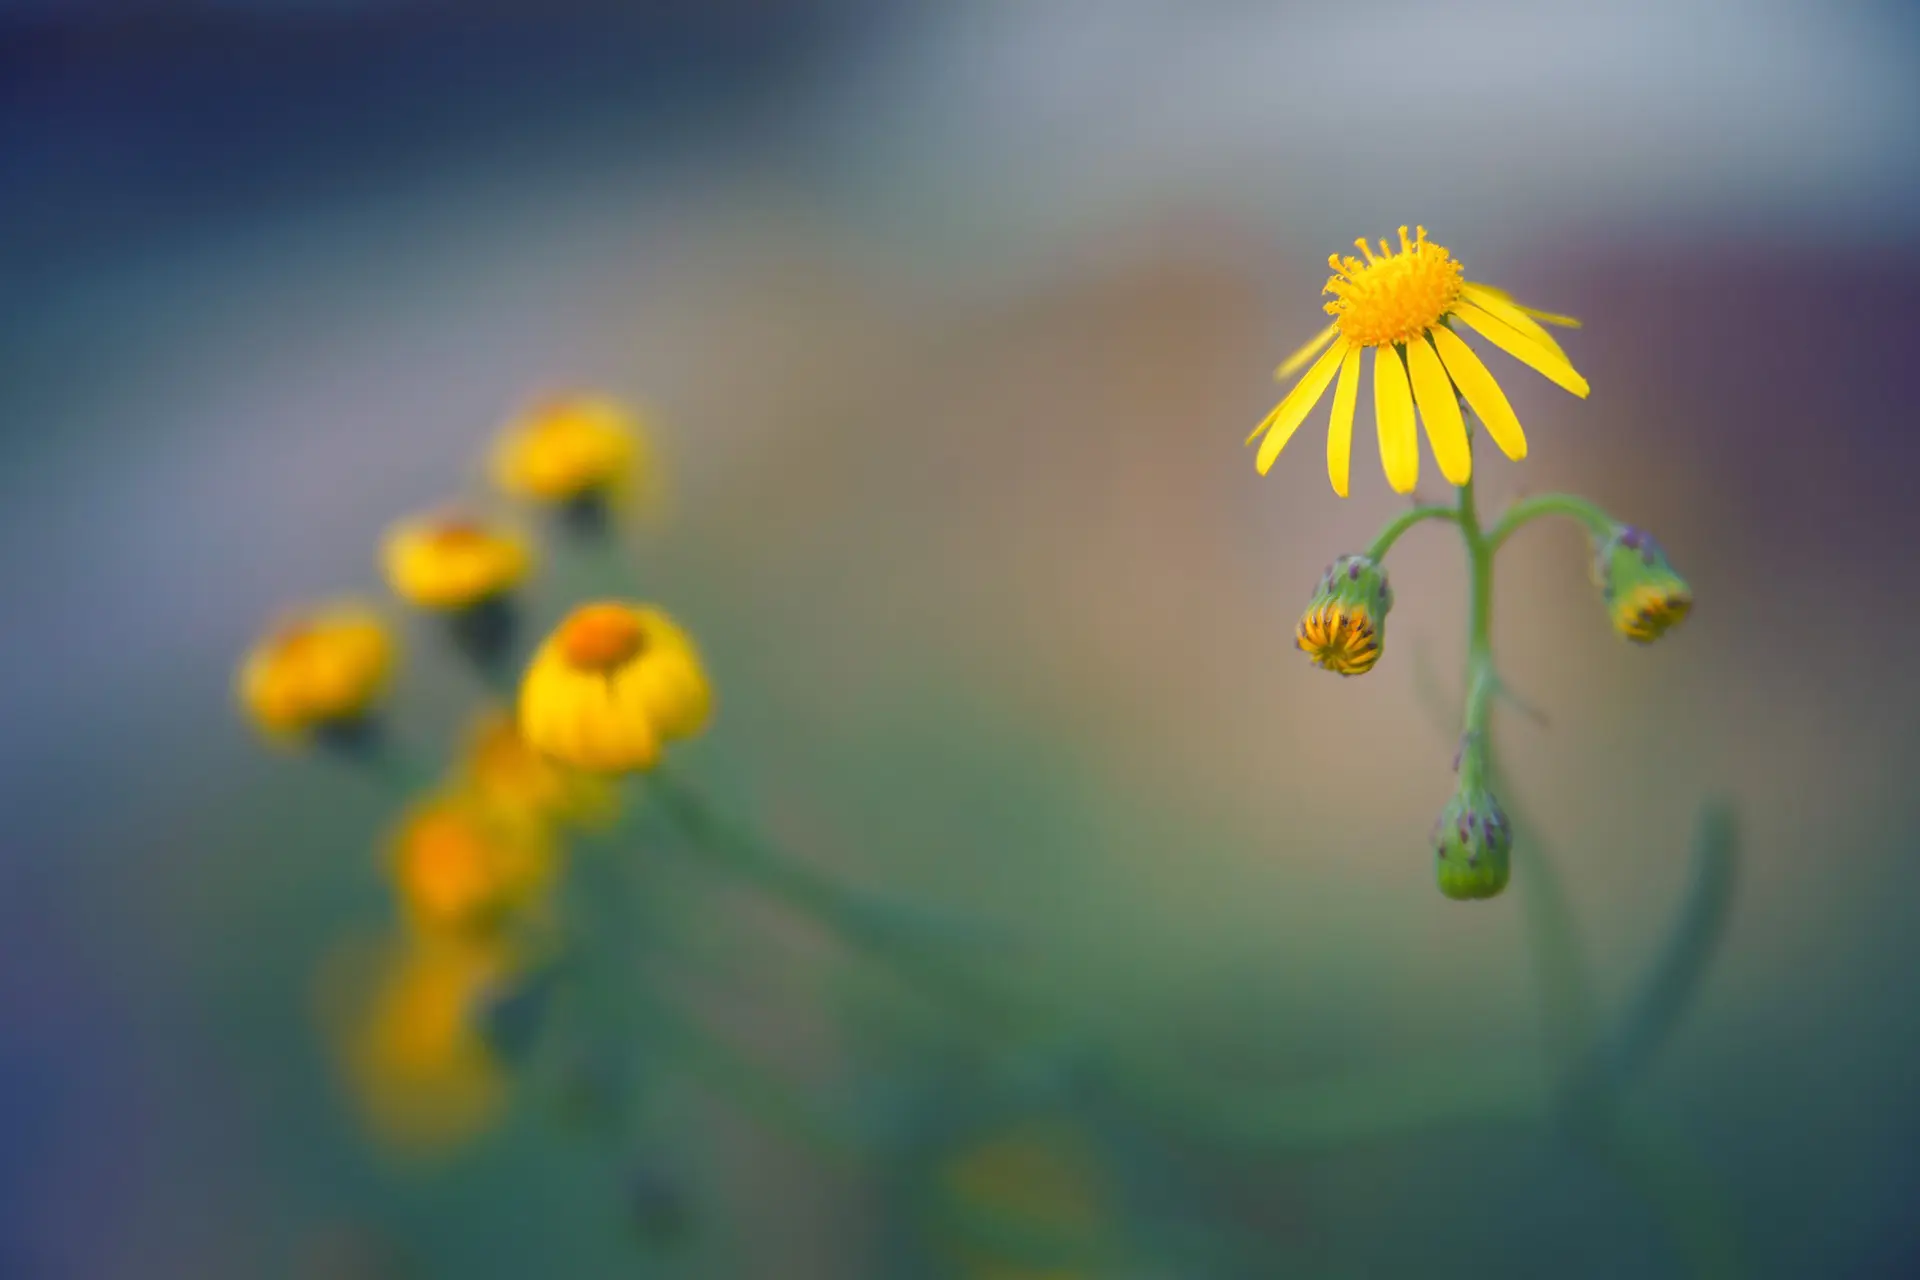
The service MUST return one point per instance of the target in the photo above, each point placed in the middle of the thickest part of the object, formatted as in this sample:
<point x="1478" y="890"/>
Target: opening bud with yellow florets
<point x="1473" y="844"/>
<point x="463" y="866"/>
<point x="1345" y="624"/>
<point x="1645" y="598"/>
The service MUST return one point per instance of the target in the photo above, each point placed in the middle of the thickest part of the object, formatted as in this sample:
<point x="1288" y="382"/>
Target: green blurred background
<point x="953" y="319"/>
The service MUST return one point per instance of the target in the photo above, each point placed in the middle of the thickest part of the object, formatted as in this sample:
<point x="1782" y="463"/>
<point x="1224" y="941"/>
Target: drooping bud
<point x="1473" y="844"/>
<point x="1645" y="598"/>
<point x="1344" y="626"/>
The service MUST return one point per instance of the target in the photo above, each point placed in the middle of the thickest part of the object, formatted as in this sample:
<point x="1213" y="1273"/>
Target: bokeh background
<point x="953" y="318"/>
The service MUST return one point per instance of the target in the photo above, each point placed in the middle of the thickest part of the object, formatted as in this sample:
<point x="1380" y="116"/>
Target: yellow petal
<point x="1440" y="411"/>
<point x="1546" y="317"/>
<point x="1290" y="412"/>
<point x="1482" y="392"/>
<point x="1293" y="362"/>
<point x="1553" y="367"/>
<point x="1551" y="317"/>
<point x="1503" y="309"/>
<point x="1393" y="414"/>
<point x="1340" y="431"/>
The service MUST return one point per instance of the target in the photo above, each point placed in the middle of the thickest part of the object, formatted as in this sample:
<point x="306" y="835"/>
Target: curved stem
<point x="1400" y="524"/>
<point x="1596" y="522"/>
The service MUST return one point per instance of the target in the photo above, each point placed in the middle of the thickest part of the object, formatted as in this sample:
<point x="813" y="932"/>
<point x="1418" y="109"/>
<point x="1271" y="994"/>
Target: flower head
<point x="318" y="668"/>
<point x="502" y="768"/>
<point x="452" y="561"/>
<point x="462" y="866"/>
<point x="1645" y="598"/>
<point x="1404" y="305"/>
<point x="570" y="449"/>
<point x="1473" y="845"/>
<point x="612" y="684"/>
<point x="1345" y="625"/>
<point x="411" y="1045"/>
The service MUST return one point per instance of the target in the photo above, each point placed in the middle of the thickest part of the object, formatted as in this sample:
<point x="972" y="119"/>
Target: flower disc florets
<point x="1344" y="626"/>
<point x="1645" y="598"/>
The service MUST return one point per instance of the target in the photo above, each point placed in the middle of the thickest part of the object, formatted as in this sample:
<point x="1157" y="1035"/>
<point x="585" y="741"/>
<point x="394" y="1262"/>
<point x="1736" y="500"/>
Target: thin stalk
<point x="1592" y="518"/>
<point x="1400" y="524"/>
<point x="905" y="940"/>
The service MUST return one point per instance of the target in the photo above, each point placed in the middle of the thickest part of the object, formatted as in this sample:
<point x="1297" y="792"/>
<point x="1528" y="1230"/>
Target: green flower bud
<point x="1345" y="624"/>
<point x="1645" y="598"/>
<point x="1473" y="843"/>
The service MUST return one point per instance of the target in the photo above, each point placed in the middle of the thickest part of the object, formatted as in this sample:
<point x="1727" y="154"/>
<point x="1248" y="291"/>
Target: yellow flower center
<point x="601" y="637"/>
<point x="1339" y="639"/>
<point x="1395" y="297"/>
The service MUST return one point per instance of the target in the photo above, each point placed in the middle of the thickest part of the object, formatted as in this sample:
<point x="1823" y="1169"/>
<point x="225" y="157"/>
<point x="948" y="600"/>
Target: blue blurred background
<point x="954" y="318"/>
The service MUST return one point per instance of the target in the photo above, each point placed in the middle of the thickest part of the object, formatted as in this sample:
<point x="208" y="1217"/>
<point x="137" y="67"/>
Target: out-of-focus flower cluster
<point x="478" y="852"/>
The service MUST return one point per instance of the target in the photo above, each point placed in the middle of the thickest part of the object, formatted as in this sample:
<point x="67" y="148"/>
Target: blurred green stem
<point x="1391" y="534"/>
<point x="908" y="940"/>
<point x="1595" y="521"/>
<point x="1475" y="747"/>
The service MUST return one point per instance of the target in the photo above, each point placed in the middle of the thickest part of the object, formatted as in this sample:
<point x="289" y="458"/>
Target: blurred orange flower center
<point x="447" y="859"/>
<point x="294" y="640"/>
<point x="600" y="637"/>
<point x="457" y="533"/>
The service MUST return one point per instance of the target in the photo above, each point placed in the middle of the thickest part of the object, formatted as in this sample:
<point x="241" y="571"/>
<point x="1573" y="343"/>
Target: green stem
<point x="735" y="1076"/>
<point x="904" y="939"/>
<point x="1475" y="750"/>
<point x="1596" y="521"/>
<point x="1566" y="997"/>
<point x="1400" y="524"/>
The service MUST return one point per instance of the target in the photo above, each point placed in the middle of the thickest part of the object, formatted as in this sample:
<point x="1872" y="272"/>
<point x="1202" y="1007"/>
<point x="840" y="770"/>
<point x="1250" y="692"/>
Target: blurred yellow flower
<point x="1403" y="305"/>
<point x="321" y="666"/>
<point x="450" y="561"/>
<point x="1040" y="1175"/>
<point x="572" y="447"/>
<point x="500" y="766"/>
<point x="460" y="865"/>
<point x="411" y="1042"/>
<point x="610" y="686"/>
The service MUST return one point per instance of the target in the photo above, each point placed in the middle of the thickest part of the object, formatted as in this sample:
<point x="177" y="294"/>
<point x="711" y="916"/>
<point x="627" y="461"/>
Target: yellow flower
<point x="501" y="767"/>
<point x="571" y="448"/>
<point x="319" y="667"/>
<point x="453" y="562"/>
<point x="1403" y="305"/>
<point x="411" y="1043"/>
<point x="1040" y="1176"/>
<point x="460" y="865"/>
<point x="610" y="686"/>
